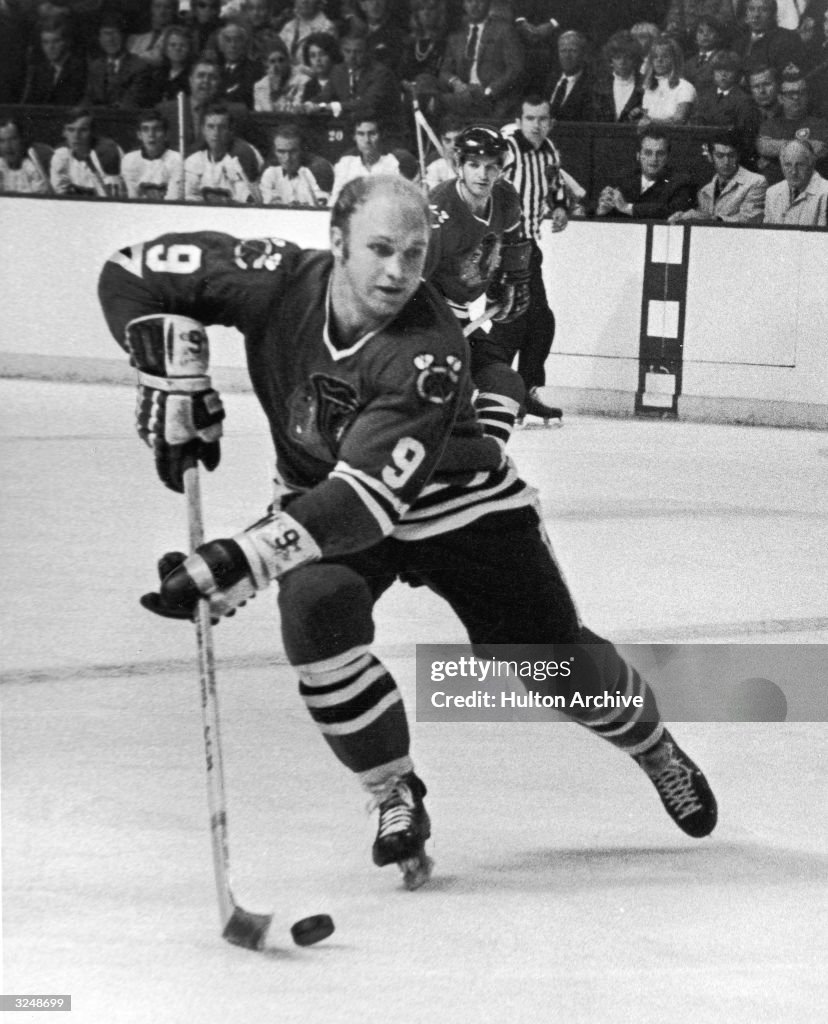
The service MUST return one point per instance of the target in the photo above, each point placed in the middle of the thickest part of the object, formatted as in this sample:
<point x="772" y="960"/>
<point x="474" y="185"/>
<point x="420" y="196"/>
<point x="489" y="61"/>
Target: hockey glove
<point x="178" y="414"/>
<point x="231" y="571"/>
<point x="510" y="287"/>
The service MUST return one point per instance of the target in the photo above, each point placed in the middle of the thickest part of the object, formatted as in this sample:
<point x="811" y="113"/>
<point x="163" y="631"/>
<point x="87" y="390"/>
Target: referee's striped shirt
<point x="534" y="173"/>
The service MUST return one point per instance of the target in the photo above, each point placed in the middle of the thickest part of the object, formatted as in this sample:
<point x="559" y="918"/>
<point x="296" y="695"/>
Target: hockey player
<point x="362" y="372"/>
<point x="478" y="247"/>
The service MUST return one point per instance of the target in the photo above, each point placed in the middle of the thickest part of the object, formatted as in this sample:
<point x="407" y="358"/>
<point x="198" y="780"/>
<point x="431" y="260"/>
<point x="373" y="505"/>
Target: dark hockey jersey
<point x="465" y="247"/>
<point x="375" y="439"/>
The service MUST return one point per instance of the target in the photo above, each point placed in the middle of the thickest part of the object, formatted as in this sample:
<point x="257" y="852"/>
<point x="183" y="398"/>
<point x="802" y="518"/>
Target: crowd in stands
<point x="193" y="74"/>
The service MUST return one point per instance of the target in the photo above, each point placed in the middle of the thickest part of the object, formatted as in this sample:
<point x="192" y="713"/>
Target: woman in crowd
<point x="420" y="68"/>
<point x="171" y="78"/>
<point x="645" y="34"/>
<point x="319" y="54"/>
<point x="282" y="86"/>
<point x="618" y="98"/>
<point x="668" y="98"/>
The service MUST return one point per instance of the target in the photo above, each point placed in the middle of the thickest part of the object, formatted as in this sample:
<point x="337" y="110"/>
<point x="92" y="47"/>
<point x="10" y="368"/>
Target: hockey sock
<point x="497" y="415"/>
<point x="358" y="708"/>
<point x="633" y="729"/>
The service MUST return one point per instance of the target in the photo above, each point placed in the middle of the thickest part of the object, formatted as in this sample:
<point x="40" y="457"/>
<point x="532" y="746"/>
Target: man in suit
<point x="570" y="91"/>
<point x="482" y="66"/>
<point x="238" y="72"/>
<point x="734" y="195"/>
<point x="118" y="78"/>
<point x="59" y="78"/>
<point x="802" y="198"/>
<point x="360" y="83"/>
<point x="762" y="43"/>
<point x="653" y="192"/>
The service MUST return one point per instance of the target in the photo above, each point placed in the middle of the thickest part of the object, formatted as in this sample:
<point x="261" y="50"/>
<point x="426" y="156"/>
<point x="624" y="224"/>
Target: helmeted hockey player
<point x="362" y="372"/>
<point x="479" y="247"/>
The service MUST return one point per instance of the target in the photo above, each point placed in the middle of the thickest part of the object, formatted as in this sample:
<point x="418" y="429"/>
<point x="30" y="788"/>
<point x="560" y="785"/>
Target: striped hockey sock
<point x="358" y="708"/>
<point x="634" y="730"/>
<point x="497" y="414"/>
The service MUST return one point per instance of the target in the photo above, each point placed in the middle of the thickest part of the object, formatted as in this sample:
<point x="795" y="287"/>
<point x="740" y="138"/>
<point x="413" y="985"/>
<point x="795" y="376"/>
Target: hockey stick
<point x="239" y="926"/>
<point x="487" y="315"/>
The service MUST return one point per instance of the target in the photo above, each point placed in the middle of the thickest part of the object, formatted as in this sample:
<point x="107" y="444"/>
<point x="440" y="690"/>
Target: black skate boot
<point x="534" y="406"/>
<point x="683" y="789"/>
<point x="404" y="826"/>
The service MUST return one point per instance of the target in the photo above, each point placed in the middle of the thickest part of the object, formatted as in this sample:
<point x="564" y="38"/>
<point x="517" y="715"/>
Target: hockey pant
<point x="499" y="576"/>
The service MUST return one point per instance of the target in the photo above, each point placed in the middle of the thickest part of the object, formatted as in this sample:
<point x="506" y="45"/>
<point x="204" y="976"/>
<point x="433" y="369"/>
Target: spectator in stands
<point x="726" y="104"/>
<point x="653" y="192"/>
<point x="802" y="198"/>
<point x="308" y="17"/>
<point x="386" y="37"/>
<point x="370" y="156"/>
<point x="818" y="77"/>
<point x="290" y="182"/>
<point x="360" y="84"/>
<point x="239" y="73"/>
<point x="419" y="69"/>
<point x="58" y="78"/>
<point x="153" y="171"/>
<point x="320" y="54"/>
<point x="204" y="81"/>
<point x="734" y="196"/>
<point x="710" y="37"/>
<point x="796" y="122"/>
<point x="537" y="23"/>
<point x="118" y="78"/>
<point x="764" y="91"/>
<point x="22" y="168"/>
<point x="645" y="34"/>
<point x="281" y="88"/>
<point x="762" y="43"/>
<point x="14" y="40"/>
<point x="149" y="46"/>
<point x="172" y="75"/>
<point x="205" y="26"/>
<point x="225" y="169"/>
<point x="570" y="89"/>
<point x="618" y="99"/>
<point x="444" y="167"/>
<point x="257" y="17"/>
<point x="683" y="17"/>
<point x="668" y="98"/>
<point x="88" y="165"/>
<point x="482" y="67"/>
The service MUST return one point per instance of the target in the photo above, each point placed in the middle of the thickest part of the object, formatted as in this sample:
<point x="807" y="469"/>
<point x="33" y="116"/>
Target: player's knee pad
<point x="325" y="609"/>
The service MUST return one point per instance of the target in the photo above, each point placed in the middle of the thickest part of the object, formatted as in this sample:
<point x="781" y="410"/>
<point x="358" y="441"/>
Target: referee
<point x="533" y="166"/>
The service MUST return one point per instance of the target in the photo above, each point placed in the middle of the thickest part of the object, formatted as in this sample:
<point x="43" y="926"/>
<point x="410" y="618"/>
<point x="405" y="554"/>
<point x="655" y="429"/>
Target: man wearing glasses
<point x="796" y="122"/>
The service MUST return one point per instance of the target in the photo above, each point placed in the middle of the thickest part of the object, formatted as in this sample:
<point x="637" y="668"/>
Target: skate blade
<point x="416" y="871"/>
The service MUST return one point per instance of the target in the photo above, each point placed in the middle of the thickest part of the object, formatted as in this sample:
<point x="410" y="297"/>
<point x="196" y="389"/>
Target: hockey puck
<point x="312" y="929"/>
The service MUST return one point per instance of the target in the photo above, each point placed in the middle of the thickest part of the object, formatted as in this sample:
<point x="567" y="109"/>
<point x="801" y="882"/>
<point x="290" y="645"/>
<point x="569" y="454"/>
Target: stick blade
<point x="246" y="929"/>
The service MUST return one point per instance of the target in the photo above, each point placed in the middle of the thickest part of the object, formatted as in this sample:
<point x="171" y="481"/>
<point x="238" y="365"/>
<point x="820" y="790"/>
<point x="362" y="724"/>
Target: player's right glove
<point x="510" y="287"/>
<point x="231" y="571"/>
<point x="178" y="414"/>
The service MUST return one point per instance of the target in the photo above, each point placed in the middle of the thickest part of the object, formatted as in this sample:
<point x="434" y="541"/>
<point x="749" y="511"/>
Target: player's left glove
<point x="510" y="287"/>
<point x="231" y="571"/>
<point x="178" y="414"/>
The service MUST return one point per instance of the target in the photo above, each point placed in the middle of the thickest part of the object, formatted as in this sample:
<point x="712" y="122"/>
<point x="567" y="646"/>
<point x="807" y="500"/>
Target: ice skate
<point x="535" y="406"/>
<point x="404" y="826"/>
<point x="683" y="789"/>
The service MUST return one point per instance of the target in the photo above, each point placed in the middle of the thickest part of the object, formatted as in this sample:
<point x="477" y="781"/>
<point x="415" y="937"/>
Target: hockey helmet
<point x="480" y="140"/>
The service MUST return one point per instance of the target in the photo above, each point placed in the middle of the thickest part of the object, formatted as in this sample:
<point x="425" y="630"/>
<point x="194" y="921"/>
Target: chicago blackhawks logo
<point x="321" y="410"/>
<point x="258" y="253"/>
<point x="437" y="384"/>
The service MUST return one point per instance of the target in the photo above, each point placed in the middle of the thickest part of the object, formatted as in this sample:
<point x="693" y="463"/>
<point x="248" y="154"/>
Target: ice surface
<point x="562" y="892"/>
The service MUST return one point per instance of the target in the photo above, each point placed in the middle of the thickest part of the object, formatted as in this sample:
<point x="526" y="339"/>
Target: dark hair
<point x="451" y="123"/>
<point x="324" y="41"/>
<point x="622" y="44"/>
<point x="533" y="99"/>
<point x="216" y="110"/>
<point x="152" y="115"/>
<point x="656" y="132"/>
<point x="761" y="69"/>
<point x="288" y="131"/>
<point x="75" y="114"/>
